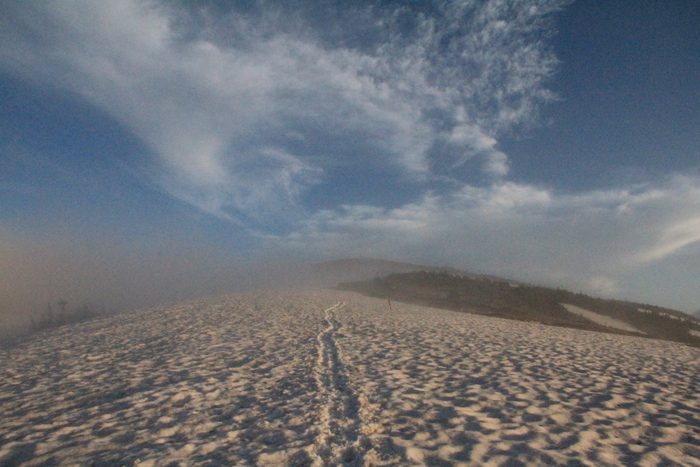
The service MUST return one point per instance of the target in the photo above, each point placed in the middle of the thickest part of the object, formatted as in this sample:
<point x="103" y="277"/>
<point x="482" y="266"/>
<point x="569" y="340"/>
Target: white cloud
<point x="590" y="240"/>
<point x="213" y="109"/>
<point x="603" y="286"/>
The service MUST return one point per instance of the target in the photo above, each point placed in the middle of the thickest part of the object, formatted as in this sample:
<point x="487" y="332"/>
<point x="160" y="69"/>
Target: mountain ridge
<point x="544" y="305"/>
<point x="370" y="268"/>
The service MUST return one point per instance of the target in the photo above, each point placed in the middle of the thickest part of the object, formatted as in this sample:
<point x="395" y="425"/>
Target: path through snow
<point x="337" y="441"/>
<point x="331" y="378"/>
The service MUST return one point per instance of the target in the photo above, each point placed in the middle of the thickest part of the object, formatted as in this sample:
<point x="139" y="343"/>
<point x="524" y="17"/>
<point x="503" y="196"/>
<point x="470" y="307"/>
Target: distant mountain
<point x="354" y="269"/>
<point x="357" y="269"/>
<point x="491" y="296"/>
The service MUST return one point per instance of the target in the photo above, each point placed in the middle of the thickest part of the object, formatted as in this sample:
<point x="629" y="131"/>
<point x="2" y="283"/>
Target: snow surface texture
<point x="601" y="319"/>
<point x="330" y="378"/>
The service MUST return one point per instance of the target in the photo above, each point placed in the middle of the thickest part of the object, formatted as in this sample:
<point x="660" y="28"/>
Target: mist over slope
<point x="166" y="280"/>
<point x="353" y="269"/>
<point x="330" y="273"/>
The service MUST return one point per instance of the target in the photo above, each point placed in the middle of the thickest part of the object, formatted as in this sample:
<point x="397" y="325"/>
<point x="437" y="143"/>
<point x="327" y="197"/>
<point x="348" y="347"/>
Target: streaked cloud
<point x="243" y="117"/>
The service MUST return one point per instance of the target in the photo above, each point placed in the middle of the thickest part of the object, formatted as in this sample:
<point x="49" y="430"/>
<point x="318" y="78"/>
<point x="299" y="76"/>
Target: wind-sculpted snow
<point x="330" y="378"/>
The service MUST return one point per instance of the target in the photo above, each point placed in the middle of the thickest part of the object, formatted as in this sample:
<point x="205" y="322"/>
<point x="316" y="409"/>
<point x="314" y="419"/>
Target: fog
<point x="113" y="277"/>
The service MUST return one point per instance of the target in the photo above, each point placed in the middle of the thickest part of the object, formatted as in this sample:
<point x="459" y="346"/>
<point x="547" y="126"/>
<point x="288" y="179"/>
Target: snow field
<point x="331" y="378"/>
<point x="228" y="381"/>
<point x="454" y="389"/>
<point x="601" y="319"/>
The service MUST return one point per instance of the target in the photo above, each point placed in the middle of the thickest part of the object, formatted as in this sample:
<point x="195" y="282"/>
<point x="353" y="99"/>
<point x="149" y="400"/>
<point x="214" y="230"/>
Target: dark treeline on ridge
<point x="512" y="300"/>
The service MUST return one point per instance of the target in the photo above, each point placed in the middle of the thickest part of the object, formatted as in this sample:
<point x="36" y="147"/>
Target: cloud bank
<point x="523" y="230"/>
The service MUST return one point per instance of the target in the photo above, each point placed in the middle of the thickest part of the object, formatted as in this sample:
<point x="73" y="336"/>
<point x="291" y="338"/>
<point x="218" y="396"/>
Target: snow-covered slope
<point x="331" y="378"/>
<point x="601" y="319"/>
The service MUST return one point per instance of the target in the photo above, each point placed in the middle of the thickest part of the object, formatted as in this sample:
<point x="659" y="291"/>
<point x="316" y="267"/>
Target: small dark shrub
<point x="65" y="315"/>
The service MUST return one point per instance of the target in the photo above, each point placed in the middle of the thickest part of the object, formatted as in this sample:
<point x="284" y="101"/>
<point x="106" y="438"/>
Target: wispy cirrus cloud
<point x="246" y="110"/>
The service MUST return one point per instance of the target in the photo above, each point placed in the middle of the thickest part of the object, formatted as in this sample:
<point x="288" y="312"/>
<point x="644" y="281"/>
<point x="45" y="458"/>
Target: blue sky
<point x="143" y="142"/>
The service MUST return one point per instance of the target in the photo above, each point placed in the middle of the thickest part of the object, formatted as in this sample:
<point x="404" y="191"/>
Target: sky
<point x="153" y="150"/>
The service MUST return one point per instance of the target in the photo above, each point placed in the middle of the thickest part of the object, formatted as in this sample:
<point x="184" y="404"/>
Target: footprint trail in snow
<point x="338" y="436"/>
<point x="330" y="378"/>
